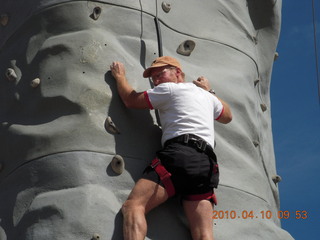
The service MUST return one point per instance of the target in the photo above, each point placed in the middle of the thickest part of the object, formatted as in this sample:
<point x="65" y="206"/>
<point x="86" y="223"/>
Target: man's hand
<point x="203" y="83"/>
<point x="118" y="70"/>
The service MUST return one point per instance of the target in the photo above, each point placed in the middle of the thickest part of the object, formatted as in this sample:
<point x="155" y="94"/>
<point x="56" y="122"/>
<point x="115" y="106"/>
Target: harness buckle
<point x="190" y="139"/>
<point x="185" y="138"/>
<point x="203" y="145"/>
<point x="155" y="163"/>
<point x="200" y="144"/>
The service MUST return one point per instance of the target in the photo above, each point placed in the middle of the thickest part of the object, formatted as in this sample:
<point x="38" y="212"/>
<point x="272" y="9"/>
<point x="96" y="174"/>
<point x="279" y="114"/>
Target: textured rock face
<point x="56" y="180"/>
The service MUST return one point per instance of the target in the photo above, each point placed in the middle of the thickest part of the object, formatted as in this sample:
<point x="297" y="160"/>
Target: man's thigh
<point x="199" y="215"/>
<point x="147" y="194"/>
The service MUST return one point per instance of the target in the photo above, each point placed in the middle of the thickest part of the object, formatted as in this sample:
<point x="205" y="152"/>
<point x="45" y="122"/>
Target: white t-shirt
<point x="185" y="108"/>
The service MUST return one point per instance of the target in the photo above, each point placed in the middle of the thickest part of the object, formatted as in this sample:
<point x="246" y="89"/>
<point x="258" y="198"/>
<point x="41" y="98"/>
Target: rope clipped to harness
<point x="164" y="175"/>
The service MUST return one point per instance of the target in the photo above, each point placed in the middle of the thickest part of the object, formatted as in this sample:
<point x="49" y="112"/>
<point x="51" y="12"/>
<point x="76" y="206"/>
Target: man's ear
<point x="156" y="82"/>
<point x="180" y="74"/>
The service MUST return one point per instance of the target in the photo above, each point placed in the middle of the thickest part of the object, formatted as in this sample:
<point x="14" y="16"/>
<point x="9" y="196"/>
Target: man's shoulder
<point x="193" y="87"/>
<point x="184" y="85"/>
<point x="160" y="89"/>
<point x="178" y="87"/>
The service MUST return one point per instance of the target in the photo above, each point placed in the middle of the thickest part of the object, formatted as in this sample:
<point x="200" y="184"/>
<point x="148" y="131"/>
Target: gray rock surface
<point x="56" y="179"/>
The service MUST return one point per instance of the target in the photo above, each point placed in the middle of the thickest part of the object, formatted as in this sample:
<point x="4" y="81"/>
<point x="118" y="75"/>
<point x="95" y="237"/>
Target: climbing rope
<point x="315" y="46"/>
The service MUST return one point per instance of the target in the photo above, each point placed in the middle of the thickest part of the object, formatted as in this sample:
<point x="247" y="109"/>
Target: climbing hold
<point x="117" y="164"/>
<point x="276" y="55"/>
<point x="4" y="19"/>
<point x="110" y="126"/>
<point x="166" y="7"/>
<point x="11" y="74"/>
<point x="35" y="82"/>
<point x="276" y="179"/>
<point x="255" y="143"/>
<point x="96" y="13"/>
<point x="256" y="82"/>
<point x="186" y="47"/>
<point x="95" y="236"/>
<point x="263" y="107"/>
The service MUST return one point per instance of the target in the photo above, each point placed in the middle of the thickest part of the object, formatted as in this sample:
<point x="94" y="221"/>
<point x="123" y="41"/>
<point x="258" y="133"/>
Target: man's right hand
<point x="129" y="96"/>
<point x="118" y="70"/>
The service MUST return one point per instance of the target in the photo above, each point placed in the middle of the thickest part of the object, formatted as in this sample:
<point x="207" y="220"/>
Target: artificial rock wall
<point x="62" y="121"/>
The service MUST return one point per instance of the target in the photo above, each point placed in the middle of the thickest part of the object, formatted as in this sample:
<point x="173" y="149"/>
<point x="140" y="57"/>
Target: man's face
<point x="164" y="74"/>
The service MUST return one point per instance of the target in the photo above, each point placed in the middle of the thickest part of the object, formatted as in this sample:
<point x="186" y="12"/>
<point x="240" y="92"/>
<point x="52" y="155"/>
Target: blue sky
<point x="296" y="118"/>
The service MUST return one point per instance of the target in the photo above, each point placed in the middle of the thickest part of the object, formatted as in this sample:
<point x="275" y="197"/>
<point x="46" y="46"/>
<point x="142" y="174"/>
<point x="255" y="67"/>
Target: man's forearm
<point x="124" y="89"/>
<point x="204" y="84"/>
<point x="129" y="96"/>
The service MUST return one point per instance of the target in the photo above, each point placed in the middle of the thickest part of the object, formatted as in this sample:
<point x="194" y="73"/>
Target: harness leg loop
<point x="164" y="175"/>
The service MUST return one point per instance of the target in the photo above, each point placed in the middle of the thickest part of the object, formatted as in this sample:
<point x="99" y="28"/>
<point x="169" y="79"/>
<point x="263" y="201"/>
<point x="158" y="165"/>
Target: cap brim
<point x="147" y="72"/>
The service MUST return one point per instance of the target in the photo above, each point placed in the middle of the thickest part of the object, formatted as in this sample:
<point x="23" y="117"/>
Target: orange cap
<point x="160" y="62"/>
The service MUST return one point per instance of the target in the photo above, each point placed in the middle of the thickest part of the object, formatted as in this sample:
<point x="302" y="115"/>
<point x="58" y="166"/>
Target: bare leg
<point x="145" y="196"/>
<point x="199" y="215"/>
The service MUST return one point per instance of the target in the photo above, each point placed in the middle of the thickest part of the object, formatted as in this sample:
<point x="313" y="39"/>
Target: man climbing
<point x="187" y="164"/>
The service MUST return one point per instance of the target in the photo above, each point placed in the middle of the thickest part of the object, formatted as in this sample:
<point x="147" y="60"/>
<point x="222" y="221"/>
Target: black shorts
<point x="193" y="172"/>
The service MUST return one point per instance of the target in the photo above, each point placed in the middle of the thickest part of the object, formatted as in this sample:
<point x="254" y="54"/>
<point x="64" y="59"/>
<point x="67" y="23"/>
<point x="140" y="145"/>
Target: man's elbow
<point x="225" y="118"/>
<point x="229" y="118"/>
<point x="135" y="103"/>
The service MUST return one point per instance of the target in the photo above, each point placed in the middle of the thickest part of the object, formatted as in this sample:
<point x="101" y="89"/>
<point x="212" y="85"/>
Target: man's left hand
<point x="203" y="83"/>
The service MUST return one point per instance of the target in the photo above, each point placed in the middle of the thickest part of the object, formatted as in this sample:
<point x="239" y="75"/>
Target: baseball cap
<point x="160" y="62"/>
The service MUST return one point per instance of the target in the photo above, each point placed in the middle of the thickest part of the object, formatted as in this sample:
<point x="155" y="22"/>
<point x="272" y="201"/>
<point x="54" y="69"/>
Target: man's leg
<point x="199" y="215"/>
<point x="145" y="196"/>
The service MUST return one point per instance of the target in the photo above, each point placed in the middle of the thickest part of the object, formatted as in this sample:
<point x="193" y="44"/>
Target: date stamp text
<point x="245" y="214"/>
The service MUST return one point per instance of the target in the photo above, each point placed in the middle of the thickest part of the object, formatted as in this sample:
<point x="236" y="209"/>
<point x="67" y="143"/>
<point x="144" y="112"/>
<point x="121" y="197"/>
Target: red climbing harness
<point x="205" y="196"/>
<point x="164" y="176"/>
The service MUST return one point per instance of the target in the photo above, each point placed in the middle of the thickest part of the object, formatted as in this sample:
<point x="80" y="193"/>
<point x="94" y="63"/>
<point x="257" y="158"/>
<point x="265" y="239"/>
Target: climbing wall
<point x="70" y="152"/>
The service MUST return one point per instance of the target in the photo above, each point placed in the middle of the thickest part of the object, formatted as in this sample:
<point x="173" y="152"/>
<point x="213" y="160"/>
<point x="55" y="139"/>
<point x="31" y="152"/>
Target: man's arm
<point x="226" y="116"/>
<point x="129" y="96"/>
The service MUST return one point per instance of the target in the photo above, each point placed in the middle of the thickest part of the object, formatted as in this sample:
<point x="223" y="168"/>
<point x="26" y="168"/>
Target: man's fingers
<point x="200" y="79"/>
<point x="196" y="82"/>
<point x="114" y="64"/>
<point x="202" y="82"/>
